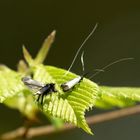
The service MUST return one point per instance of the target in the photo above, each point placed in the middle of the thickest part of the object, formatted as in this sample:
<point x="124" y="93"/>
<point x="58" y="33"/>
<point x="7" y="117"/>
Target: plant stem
<point x="45" y="130"/>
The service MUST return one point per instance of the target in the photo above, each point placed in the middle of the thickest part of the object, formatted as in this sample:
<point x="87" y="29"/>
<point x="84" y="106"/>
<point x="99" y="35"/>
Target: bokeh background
<point x="117" y="36"/>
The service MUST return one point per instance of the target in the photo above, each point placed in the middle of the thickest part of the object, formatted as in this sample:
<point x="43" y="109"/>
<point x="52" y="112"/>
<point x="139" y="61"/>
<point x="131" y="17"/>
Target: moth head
<point x="65" y="87"/>
<point x="52" y="86"/>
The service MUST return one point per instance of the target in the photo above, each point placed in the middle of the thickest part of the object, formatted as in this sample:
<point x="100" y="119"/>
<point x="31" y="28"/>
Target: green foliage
<point x="45" y="48"/>
<point x="69" y="106"/>
<point x="118" y="97"/>
<point x="14" y="94"/>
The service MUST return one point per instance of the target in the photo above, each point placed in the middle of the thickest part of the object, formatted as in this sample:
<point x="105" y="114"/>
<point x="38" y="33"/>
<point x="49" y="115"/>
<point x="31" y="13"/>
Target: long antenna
<point x="107" y="66"/>
<point x="82" y="61"/>
<point x="96" y="25"/>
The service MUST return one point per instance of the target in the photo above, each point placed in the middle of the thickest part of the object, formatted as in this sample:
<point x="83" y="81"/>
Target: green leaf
<point x="14" y="94"/>
<point x="25" y="103"/>
<point x="4" y="68"/>
<point x="22" y="67"/>
<point x="27" y="56"/>
<point x="45" y="48"/>
<point x="9" y="81"/>
<point x="42" y="54"/>
<point x="117" y="97"/>
<point x="70" y="106"/>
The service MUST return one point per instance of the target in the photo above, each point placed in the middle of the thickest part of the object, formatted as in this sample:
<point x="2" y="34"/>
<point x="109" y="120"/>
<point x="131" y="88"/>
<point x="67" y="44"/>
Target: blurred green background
<point x="117" y="36"/>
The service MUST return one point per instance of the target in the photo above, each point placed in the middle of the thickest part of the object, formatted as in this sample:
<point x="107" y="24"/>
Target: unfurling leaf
<point x="42" y="54"/>
<point x="27" y="56"/>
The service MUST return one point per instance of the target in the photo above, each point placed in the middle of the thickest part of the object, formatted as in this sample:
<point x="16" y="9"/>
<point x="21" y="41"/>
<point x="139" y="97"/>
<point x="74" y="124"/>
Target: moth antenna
<point x="99" y="70"/>
<point x="82" y="61"/>
<point x="96" y="70"/>
<point x="107" y="66"/>
<point x="73" y="61"/>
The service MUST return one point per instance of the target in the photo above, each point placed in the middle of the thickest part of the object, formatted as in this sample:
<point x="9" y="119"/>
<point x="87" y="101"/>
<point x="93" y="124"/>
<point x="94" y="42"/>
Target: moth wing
<point x="32" y="84"/>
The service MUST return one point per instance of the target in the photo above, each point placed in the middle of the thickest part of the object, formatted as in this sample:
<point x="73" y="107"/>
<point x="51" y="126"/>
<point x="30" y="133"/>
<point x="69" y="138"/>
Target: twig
<point x="45" y="130"/>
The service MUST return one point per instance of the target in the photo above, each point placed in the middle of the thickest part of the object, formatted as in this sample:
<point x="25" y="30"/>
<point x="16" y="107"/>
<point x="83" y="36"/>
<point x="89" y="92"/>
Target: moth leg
<point x="38" y="97"/>
<point x="42" y="97"/>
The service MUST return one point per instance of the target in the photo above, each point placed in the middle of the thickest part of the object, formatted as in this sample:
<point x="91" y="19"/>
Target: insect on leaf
<point x="69" y="106"/>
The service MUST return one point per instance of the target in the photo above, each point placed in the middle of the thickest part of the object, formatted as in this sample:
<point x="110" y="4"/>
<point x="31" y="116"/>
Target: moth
<point x="39" y="88"/>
